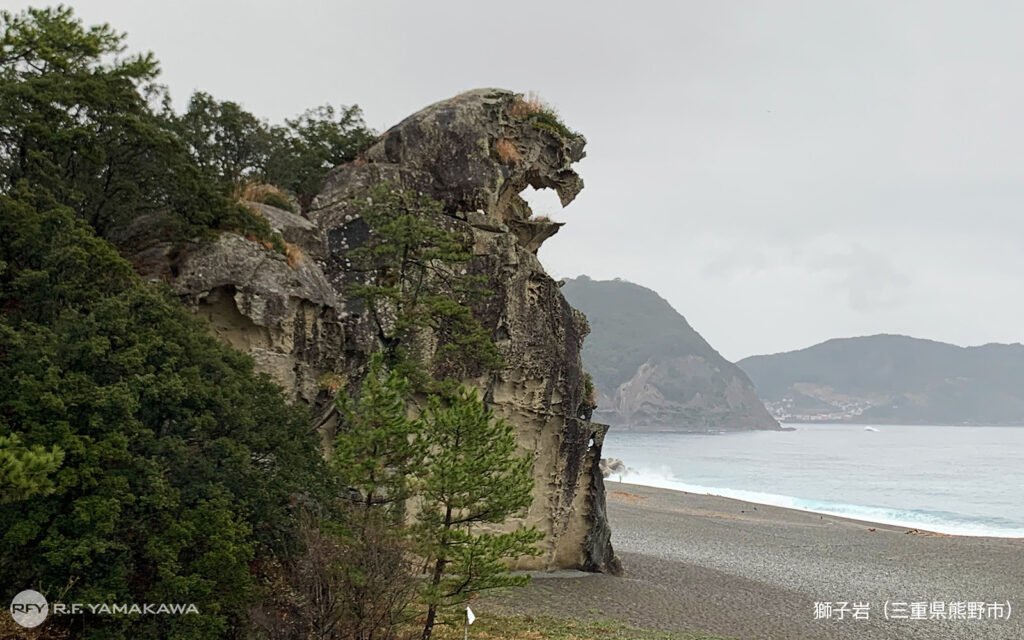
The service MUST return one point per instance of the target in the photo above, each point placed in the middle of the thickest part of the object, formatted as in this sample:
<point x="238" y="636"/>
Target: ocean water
<point x="956" y="480"/>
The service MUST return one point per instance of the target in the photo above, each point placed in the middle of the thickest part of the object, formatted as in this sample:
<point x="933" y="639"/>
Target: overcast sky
<point x="781" y="172"/>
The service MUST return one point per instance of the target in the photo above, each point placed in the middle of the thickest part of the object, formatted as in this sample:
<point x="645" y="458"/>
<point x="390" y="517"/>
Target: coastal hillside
<point x="652" y="370"/>
<point x="269" y="371"/>
<point x="893" y="379"/>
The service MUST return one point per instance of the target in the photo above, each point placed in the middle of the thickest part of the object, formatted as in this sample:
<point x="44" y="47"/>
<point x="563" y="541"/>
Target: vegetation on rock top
<point x="541" y="115"/>
<point x="89" y="125"/>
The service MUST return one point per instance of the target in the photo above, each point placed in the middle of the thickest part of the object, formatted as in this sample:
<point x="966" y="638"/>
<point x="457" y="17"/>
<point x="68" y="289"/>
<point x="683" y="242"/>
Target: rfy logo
<point x="29" y="608"/>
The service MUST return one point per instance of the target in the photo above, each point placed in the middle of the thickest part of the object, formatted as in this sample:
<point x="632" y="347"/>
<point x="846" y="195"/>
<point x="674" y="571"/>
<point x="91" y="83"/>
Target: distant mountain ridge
<point x="893" y="379"/>
<point x="652" y="370"/>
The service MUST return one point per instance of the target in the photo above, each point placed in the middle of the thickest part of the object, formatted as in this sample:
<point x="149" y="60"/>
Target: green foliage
<point x="548" y="120"/>
<point x="542" y="116"/>
<point x="84" y="125"/>
<point x="378" y="452"/>
<point x="589" y="392"/>
<point x="415" y="278"/>
<point x="466" y="472"/>
<point x="314" y="143"/>
<point x="26" y="471"/>
<point x="472" y="478"/>
<point x="277" y="200"/>
<point x="456" y="466"/>
<point x="71" y="106"/>
<point x="229" y="144"/>
<point x="233" y="146"/>
<point x="240" y="219"/>
<point x="178" y="461"/>
<point x="143" y="461"/>
<point x="378" y="447"/>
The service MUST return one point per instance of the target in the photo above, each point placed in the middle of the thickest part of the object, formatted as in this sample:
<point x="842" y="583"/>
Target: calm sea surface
<point x="959" y="480"/>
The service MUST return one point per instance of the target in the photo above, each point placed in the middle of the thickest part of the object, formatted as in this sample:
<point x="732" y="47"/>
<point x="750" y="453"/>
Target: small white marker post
<point x="469" y="620"/>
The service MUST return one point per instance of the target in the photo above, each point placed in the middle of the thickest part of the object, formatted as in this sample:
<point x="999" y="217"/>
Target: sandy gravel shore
<point x="723" y="566"/>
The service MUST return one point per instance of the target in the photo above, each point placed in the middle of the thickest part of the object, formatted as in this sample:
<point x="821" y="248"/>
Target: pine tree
<point x="472" y="479"/>
<point x="378" y="447"/>
<point x="26" y="471"/>
<point x="87" y="125"/>
<point x="416" y="279"/>
<point x="377" y="452"/>
<point x="178" y="461"/>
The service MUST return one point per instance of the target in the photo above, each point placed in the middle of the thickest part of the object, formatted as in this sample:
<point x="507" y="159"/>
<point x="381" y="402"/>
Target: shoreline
<point x="790" y="425"/>
<point x="887" y="423"/>
<point x="711" y="564"/>
<point x="930" y="529"/>
<point x="749" y="505"/>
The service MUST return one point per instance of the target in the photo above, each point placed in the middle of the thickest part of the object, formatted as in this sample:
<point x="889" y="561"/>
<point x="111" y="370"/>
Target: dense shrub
<point x="178" y="461"/>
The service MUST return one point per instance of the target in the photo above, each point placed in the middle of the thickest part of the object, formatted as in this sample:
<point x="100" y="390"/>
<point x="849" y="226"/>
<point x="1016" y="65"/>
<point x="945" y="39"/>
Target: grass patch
<point x="264" y="193"/>
<point x="550" y="628"/>
<point x="525" y="105"/>
<point x="507" y="151"/>
<point x="279" y="201"/>
<point x="252" y="226"/>
<point x="294" y="254"/>
<point x="549" y="121"/>
<point x="541" y="115"/>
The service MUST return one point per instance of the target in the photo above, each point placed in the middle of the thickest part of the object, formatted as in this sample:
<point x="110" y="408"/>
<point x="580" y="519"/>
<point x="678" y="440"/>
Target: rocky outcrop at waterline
<point x="474" y="153"/>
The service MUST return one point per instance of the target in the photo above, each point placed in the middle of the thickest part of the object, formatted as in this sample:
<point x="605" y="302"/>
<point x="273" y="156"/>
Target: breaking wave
<point x="936" y="521"/>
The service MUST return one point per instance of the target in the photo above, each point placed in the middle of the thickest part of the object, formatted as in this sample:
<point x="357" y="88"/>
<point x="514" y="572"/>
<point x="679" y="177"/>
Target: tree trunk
<point x="428" y="627"/>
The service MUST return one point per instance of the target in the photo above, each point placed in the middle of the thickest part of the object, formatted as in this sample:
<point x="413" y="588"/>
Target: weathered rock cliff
<point x="474" y="153"/>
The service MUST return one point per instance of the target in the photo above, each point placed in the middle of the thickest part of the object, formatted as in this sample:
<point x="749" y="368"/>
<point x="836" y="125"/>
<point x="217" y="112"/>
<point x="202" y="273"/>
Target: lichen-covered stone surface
<point x="475" y="153"/>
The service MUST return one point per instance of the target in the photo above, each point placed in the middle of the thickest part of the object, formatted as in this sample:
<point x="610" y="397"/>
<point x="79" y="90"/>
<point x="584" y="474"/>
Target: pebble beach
<point x="716" y="565"/>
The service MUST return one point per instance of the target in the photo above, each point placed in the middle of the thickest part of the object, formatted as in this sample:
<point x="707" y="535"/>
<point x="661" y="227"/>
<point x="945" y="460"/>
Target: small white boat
<point x="870" y="429"/>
